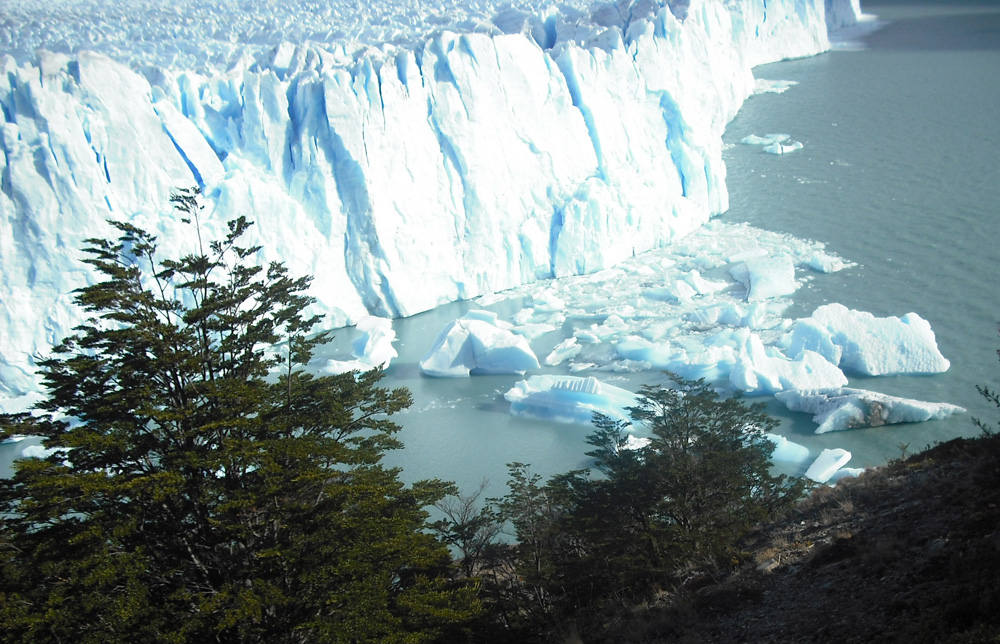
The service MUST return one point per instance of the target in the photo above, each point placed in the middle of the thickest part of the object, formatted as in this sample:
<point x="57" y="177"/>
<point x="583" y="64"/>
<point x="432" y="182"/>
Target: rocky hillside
<point x="906" y="553"/>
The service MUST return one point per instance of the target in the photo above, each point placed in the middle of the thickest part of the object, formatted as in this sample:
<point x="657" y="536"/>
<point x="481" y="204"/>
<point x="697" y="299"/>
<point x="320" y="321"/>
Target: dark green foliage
<point x="203" y="487"/>
<point x="591" y="544"/>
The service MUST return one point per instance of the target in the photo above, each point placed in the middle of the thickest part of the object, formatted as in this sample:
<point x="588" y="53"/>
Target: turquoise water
<point x="899" y="174"/>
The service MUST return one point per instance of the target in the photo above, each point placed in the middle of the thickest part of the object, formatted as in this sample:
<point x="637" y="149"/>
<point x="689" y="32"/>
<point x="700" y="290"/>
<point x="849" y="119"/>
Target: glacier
<point x="406" y="155"/>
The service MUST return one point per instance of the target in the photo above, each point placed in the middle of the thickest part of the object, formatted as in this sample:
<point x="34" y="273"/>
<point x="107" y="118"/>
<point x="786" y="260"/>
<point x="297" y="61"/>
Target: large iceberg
<point x="858" y="341"/>
<point x="846" y="408"/>
<point x="405" y="155"/>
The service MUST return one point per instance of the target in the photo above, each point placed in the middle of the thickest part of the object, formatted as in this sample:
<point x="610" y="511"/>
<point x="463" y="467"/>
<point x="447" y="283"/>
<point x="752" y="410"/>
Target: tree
<point x="587" y="543"/>
<point x="202" y="486"/>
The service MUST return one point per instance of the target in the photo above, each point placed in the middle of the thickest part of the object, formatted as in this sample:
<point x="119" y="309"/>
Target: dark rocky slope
<point x="909" y="552"/>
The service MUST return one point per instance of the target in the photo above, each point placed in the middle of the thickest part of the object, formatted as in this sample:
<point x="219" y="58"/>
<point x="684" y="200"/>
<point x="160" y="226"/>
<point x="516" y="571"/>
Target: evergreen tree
<point x="587" y="543"/>
<point x="201" y="485"/>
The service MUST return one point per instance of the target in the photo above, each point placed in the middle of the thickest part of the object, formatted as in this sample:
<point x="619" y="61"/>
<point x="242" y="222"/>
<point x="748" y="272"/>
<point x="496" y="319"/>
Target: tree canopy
<point x="200" y="484"/>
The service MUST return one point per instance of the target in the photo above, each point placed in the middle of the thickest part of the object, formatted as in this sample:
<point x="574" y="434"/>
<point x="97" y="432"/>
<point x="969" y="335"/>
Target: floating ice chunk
<point x="548" y="302"/>
<point x="871" y="345"/>
<point x="839" y="409"/>
<point x="773" y="143"/>
<point x="786" y="451"/>
<point x="568" y="399"/>
<point x="374" y="345"/>
<point x="372" y="348"/>
<point x="827" y="464"/>
<point x="766" y="277"/>
<point x="701" y="285"/>
<point x="565" y="350"/>
<point x="532" y="331"/>
<point x="478" y="343"/>
<point x="678" y="291"/>
<point x="765" y="370"/>
<point x="826" y="263"/>
<point x="711" y="358"/>
<point x="782" y="148"/>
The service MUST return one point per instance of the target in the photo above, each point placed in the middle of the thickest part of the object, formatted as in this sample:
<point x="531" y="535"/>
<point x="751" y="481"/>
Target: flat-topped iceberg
<point x="846" y="408"/>
<point x="478" y="343"/>
<point x="568" y="399"/>
<point x="858" y="341"/>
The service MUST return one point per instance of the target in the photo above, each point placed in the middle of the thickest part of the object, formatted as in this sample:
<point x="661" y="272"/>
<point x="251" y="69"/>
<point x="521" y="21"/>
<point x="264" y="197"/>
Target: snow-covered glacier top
<point x="206" y="35"/>
<point x="405" y="154"/>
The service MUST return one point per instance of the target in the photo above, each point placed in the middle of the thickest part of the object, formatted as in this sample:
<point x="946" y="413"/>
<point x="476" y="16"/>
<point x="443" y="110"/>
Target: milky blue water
<point x="898" y="173"/>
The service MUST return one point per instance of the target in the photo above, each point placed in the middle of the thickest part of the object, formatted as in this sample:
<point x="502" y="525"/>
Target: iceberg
<point x="840" y="409"/>
<point x="783" y="148"/>
<point x="858" y="341"/>
<point x="406" y="155"/>
<point x="827" y="464"/>
<point x="568" y="399"/>
<point x="478" y="343"/>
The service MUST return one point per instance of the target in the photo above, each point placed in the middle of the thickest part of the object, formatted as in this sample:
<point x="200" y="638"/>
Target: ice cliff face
<point x="444" y="166"/>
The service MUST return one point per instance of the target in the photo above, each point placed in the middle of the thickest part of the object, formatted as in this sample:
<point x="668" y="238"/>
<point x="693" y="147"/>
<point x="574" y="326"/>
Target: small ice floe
<point x="782" y="148"/>
<point x="565" y="350"/>
<point x="773" y="143"/>
<point x="845" y="408"/>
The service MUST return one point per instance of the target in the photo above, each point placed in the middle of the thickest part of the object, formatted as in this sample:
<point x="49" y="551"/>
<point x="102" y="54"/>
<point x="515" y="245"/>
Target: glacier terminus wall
<point x="402" y="174"/>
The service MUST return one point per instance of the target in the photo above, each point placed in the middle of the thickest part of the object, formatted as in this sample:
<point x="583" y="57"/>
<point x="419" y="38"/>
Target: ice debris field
<point x="564" y="156"/>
